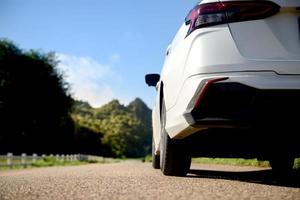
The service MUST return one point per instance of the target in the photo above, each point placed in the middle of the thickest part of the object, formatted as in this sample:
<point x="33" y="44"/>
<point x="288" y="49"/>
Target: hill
<point x="121" y="131"/>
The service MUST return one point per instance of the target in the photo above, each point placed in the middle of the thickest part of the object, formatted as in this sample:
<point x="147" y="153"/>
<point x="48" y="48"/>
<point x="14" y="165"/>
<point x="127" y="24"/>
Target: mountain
<point x="140" y="110"/>
<point x="125" y="131"/>
<point x="112" y="108"/>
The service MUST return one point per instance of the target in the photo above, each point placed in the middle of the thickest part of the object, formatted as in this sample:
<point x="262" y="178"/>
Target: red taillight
<point x="209" y="14"/>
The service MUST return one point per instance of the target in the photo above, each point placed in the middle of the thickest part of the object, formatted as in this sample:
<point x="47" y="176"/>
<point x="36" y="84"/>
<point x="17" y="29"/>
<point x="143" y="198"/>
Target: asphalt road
<point x="136" y="180"/>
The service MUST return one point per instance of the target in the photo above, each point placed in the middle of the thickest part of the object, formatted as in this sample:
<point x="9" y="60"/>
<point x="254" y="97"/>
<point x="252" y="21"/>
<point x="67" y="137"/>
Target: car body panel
<point x="156" y="127"/>
<point x="274" y="38"/>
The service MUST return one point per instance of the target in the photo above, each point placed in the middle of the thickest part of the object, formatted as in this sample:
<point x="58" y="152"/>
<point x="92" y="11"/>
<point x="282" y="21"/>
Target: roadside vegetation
<point x="50" y="161"/>
<point x="39" y="115"/>
<point x="239" y="162"/>
<point x="232" y="161"/>
<point x="113" y="129"/>
<point x="47" y="162"/>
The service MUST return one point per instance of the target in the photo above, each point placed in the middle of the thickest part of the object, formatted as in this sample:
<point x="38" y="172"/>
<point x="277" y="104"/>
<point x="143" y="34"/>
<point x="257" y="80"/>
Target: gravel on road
<point x="136" y="180"/>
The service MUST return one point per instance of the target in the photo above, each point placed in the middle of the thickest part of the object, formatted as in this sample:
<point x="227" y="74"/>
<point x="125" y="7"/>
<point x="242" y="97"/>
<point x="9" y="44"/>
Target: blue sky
<point x="105" y="47"/>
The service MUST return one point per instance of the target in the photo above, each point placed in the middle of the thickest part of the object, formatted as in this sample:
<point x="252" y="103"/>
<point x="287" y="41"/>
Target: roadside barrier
<point x="11" y="160"/>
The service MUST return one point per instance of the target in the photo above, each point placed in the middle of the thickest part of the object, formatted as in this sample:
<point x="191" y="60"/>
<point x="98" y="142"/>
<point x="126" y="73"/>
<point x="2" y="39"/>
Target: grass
<point x="239" y="162"/>
<point x="50" y="161"/>
<point x="148" y="158"/>
<point x="232" y="161"/>
<point x="297" y="163"/>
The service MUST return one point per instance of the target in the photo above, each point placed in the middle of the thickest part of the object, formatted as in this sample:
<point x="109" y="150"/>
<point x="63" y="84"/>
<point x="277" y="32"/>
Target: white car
<point x="230" y="86"/>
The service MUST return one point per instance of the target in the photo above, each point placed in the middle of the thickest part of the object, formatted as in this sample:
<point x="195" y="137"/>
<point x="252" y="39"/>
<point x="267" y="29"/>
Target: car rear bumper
<point x="244" y="99"/>
<point x="233" y="104"/>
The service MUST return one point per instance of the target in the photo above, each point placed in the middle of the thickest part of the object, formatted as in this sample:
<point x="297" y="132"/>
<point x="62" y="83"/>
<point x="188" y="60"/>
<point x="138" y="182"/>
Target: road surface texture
<point x="136" y="180"/>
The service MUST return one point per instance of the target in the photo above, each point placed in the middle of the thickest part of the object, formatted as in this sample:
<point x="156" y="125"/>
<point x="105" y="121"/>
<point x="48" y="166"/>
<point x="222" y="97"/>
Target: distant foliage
<point x="38" y="115"/>
<point x="34" y="102"/>
<point x="123" y="131"/>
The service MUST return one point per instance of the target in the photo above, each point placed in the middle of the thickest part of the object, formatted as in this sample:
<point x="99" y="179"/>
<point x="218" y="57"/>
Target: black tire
<point x="155" y="158"/>
<point x="174" y="159"/>
<point x="282" y="164"/>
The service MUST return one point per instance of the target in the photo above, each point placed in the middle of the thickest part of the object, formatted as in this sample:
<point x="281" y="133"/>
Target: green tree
<point x="144" y="114"/>
<point x="124" y="131"/>
<point x="34" y="102"/>
<point x="37" y="113"/>
<point x="88" y="138"/>
<point x="122" y="135"/>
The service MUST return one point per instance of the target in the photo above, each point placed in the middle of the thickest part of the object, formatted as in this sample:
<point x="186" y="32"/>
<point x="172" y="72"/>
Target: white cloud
<point x="88" y="78"/>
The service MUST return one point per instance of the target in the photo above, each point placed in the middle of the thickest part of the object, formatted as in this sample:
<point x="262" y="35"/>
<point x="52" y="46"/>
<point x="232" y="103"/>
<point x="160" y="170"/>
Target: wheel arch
<point x="161" y="98"/>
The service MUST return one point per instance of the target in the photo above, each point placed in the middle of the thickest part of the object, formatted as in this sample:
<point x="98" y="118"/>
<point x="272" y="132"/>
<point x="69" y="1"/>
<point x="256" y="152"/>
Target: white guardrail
<point x="11" y="160"/>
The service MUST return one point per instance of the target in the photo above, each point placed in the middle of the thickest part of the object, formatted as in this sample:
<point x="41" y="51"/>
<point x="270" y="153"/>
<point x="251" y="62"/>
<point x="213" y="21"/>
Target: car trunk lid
<point x="275" y="38"/>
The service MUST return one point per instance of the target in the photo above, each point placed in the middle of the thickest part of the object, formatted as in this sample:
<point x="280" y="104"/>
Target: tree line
<point x="39" y="115"/>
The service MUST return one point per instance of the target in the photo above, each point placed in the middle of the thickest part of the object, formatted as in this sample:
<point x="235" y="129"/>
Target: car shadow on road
<point x="265" y="177"/>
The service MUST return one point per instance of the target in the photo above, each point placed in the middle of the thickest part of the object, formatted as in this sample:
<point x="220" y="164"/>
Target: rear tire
<point x="282" y="164"/>
<point x="174" y="159"/>
<point x="155" y="158"/>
